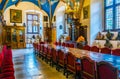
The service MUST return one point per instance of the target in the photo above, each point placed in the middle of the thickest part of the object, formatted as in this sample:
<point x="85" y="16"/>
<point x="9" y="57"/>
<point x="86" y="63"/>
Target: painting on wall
<point x="45" y="18"/>
<point x="15" y="16"/>
<point x="86" y="12"/>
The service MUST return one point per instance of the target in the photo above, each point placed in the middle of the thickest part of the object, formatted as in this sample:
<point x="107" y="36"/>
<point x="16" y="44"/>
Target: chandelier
<point x="73" y="9"/>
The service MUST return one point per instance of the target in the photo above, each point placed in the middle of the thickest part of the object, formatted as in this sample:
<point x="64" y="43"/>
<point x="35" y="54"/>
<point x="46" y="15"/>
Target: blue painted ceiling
<point x="44" y="4"/>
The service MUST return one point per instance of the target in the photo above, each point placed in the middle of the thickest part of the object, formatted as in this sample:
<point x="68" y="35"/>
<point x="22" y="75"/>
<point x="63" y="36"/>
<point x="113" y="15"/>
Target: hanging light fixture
<point x="73" y="8"/>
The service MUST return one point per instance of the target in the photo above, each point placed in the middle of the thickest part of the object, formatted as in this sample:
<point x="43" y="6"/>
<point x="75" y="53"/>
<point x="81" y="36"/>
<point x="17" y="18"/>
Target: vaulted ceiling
<point x="43" y="4"/>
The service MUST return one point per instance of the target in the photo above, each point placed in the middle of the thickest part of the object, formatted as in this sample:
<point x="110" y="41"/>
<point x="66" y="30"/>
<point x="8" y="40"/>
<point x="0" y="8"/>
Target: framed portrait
<point x="86" y="12"/>
<point x="15" y="16"/>
<point x="45" y="18"/>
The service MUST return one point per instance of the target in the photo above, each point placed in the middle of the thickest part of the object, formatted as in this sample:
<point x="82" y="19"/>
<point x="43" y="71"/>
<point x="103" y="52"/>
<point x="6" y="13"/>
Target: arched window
<point x="32" y="26"/>
<point x="112" y="14"/>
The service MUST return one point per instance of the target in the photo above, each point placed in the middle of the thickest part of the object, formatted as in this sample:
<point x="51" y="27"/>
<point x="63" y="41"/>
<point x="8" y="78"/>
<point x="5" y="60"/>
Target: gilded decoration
<point x="15" y="16"/>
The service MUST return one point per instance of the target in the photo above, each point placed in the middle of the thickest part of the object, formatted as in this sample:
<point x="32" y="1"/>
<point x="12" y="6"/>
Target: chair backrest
<point x="106" y="50"/>
<point x="59" y="43"/>
<point x="70" y="61"/>
<point x="116" y="52"/>
<point x="42" y="42"/>
<point x="45" y="50"/>
<point x="63" y="44"/>
<point x="39" y="47"/>
<point x="106" y="71"/>
<point x="71" y="45"/>
<point x="88" y="68"/>
<point x="54" y="55"/>
<point x="42" y="48"/>
<point x="86" y="47"/>
<point x="94" y="49"/>
<point x="49" y="52"/>
<point x="67" y="44"/>
<point x="61" y="57"/>
<point x="56" y="43"/>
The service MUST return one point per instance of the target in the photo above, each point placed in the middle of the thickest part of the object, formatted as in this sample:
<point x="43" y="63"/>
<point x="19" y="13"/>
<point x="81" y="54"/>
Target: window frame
<point x="32" y="25"/>
<point x="114" y="15"/>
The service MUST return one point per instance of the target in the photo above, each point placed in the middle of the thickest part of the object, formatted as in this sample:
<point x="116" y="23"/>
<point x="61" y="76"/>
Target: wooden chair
<point x="94" y="49"/>
<point x="72" y="66"/>
<point x="42" y="42"/>
<point x="67" y="44"/>
<point x="86" y="47"/>
<point x="116" y="52"/>
<point x="88" y="68"/>
<point x="49" y="55"/>
<point x="106" y="71"/>
<point x="63" y="44"/>
<point x="54" y="58"/>
<point x="59" y="43"/>
<point x="56" y="43"/>
<point x="42" y="51"/>
<point x="71" y="45"/>
<point x="106" y="50"/>
<point x="45" y="52"/>
<point x="61" y="60"/>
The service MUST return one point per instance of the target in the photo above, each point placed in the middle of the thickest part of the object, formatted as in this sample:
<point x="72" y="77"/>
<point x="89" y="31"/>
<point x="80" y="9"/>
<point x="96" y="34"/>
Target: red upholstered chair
<point x="42" y="42"/>
<point x="106" y="71"/>
<point x="59" y="43"/>
<point x="86" y="47"/>
<point x="116" y="52"/>
<point x="88" y="68"/>
<point x="42" y="51"/>
<point x="71" y="65"/>
<point x="56" y="43"/>
<point x="1" y="58"/>
<point x="45" y="51"/>
<point x="63" y="44"/>
<point x="94" y="49"/>
<point x="71" y="45"/>
<point x="67" y="44"/>
<point x="106" y="50"/>
<point x="54" y="57"/>
<point x="8" y="75"/>
<point x="8" y="68"/>
<point x="39" y="52"/>
<point x="61" y="60"/>
<point x="49" y="55"/>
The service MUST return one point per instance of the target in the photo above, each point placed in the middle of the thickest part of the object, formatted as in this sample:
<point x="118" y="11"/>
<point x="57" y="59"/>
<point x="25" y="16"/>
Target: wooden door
<point x="53" y="35"/>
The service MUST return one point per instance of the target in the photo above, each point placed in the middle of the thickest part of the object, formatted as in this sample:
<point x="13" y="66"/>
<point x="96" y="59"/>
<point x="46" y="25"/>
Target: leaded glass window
<point x="112" y="14"/>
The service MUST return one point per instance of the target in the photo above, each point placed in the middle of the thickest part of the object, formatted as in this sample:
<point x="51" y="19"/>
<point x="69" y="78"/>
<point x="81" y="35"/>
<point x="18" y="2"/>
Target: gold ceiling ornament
<point x="74" y="8"/>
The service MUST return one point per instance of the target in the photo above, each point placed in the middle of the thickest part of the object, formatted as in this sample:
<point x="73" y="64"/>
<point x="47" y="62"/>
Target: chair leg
<point x="67" y="74"/>
<point x="64" y="71"/>
<point x="50" y="61"/>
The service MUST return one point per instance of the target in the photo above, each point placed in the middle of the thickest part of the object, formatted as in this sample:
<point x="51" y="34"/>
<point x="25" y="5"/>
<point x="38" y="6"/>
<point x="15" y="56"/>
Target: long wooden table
<point x="96" y="56"/>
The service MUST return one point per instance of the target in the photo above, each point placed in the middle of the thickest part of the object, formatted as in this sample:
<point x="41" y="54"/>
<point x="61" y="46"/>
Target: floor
<point x="29" y="66"/>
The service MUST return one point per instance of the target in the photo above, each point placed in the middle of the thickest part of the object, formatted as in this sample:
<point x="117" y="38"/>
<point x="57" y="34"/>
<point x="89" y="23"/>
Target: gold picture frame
<point x="86" y="12"/>
<point x="15" y="16"/>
